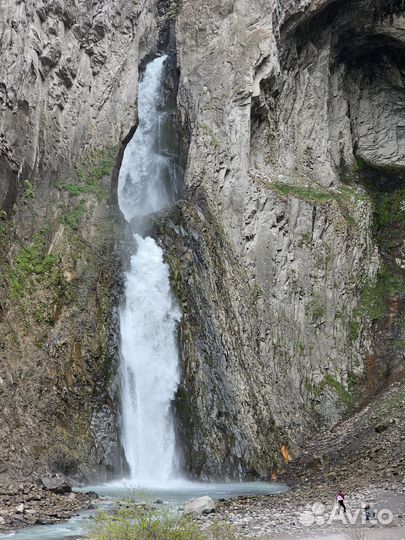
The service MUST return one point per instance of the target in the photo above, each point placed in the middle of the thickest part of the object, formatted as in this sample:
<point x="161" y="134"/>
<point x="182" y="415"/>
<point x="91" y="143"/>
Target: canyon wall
<point x="69" y="73"/>
<point x="290" y="274"/>
<point x="286" y="249"/>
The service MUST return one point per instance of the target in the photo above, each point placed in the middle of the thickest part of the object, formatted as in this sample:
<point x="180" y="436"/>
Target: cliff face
<point x="291" y="290"/>
<point x="282" y="250"/>
<point x="69" y="75"/>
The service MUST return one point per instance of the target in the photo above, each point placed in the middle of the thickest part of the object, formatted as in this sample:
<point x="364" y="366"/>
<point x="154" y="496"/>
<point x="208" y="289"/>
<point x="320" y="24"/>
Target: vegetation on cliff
<point x="58" y="288"/>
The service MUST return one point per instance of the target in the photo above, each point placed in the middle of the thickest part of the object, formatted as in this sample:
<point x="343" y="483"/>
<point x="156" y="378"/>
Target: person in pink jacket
<point x="341" y="500"/>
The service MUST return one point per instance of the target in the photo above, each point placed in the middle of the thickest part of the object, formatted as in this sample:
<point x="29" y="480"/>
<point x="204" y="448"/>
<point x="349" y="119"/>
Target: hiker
<point x="367" y="511"/>
<point x="341" y="500"/>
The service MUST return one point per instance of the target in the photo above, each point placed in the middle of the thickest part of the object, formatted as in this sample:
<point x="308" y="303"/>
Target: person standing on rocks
<point x="341" y="500"/>
<point x="367" y="511"/>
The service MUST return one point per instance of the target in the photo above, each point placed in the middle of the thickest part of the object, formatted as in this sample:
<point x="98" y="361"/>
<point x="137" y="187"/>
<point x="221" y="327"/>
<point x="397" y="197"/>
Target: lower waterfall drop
<point x="149" y="316"/>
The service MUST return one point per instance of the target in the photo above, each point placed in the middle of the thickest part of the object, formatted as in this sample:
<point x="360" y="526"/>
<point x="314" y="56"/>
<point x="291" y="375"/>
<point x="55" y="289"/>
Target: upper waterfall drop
<point x="148" y="176"/>
<point x="148" y="319"/>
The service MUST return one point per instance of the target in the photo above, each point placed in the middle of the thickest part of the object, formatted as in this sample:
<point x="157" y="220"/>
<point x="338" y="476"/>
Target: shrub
<point x="143" y="522"/>
<point x="146" y="522"/>
<point x="309" y="194"/>
<point x="28" y="189"/>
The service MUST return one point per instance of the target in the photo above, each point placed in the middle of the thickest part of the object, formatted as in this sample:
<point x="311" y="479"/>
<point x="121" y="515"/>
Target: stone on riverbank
<point x="199" y="506"/>
<point x="56" y="484"/>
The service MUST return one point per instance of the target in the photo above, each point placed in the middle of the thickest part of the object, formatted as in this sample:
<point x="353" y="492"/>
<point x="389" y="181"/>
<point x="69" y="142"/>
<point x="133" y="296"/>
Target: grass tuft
<point x="142" y="522"/>
<point x="90" y="171"/>
<point x="306" y="193"/>
<point x="72" y="219"/>
<point x="31" y="264"/>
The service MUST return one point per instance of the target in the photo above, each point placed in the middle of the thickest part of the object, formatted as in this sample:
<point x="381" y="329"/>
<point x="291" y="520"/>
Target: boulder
<point x="56" y="484"/>
<point x="20" y="508"/>
<point x="199" y="506"/>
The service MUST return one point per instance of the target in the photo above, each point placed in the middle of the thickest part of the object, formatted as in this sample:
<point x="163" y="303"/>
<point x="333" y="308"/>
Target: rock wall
<point x="69" y="73"/>
<point x="281" y="268"/>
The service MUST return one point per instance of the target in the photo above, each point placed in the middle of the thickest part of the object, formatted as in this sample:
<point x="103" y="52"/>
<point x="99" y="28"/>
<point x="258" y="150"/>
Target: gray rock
<point x="200" y="506"/>
<point x="56" y="484"/>
<point x="20" y="508"/>
<point x="270" y="285"/>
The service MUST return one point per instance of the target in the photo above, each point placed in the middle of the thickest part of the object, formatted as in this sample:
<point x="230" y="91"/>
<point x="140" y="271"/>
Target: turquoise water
<point x="176" y="494"/>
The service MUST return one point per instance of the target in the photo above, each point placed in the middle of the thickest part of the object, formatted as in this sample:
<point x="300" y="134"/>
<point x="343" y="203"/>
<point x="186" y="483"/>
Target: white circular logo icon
<point x="318" y="510"/>
<point x="315" y="515"/>
<point x="307" y="518"/>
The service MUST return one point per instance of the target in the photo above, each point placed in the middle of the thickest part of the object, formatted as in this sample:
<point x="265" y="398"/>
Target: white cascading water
<point x="148" y="319"/>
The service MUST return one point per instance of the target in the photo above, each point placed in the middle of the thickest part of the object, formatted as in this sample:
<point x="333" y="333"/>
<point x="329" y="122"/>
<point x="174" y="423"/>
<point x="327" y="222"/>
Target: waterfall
<point x="148" y="318"/>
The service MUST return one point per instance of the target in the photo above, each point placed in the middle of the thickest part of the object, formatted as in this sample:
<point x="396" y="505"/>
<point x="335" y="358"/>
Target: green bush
<point x="28" y="189"/>
<point x="347" y="396"/>
<point x="306" y="193"/>
<point x="374" y="296"/>
<point x="146" y="522"/>
<point x="316" y="308"/>
<point x="143" y="522"/>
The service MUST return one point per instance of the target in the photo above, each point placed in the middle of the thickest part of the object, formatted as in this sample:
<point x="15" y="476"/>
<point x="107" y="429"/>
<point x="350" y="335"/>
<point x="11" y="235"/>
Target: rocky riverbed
<point x="44" y="502"/>
<point x="311" y="511"/>
<point x="304" y="511"/>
